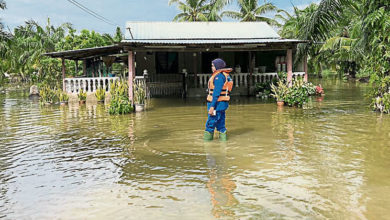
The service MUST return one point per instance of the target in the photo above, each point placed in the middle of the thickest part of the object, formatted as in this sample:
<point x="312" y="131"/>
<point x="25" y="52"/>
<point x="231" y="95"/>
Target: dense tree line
<point x="350" y="37"/>
<point x="21" y="51"/>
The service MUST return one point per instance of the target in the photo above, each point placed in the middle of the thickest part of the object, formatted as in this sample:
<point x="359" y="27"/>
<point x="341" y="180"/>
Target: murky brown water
<point x="328" y="162"/>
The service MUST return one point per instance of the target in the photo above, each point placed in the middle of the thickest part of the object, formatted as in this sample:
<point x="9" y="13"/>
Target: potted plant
<point x="82" y="96"/>
<point x="120" y="103"/>
<point x="63" y="97"/>
<point x="320" y="90"/>
<point x="279" y="92"/>
<point x="46" y="95"/>
<point x="100" y="94"/>
<point x="238" y="69"/>
<point x="139" y="96"/>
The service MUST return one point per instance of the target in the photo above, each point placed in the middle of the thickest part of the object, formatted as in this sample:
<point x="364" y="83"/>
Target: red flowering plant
<point x="319" y="90"/>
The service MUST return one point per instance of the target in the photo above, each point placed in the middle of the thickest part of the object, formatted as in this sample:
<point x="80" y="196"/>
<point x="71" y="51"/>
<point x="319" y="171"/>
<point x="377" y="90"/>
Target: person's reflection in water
<point x="220" y="184"/>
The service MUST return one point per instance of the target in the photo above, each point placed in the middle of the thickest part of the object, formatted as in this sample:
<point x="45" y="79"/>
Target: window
<point x="167" y="62"/>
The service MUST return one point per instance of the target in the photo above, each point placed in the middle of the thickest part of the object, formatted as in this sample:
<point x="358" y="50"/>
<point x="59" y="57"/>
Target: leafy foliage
<point x="199" y="10"/>
<point x="82" y="95"/>
<point x="279" y="91"/>
<point x="139" y="92"/>
<point x="21" y="52"/>
<point x="295" y="95"/>
<point x="251" y="11"/>
<point x="47" y="94"/>
<point x="355" y="36"/>
<point x="299" y="93"/>
<point x="62" y="96"/>
<point x="100" y="94"/>
<point x="120" y="103"/>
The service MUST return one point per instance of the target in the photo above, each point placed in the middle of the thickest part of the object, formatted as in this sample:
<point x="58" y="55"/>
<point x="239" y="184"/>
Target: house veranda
<point x="174" y="59"/>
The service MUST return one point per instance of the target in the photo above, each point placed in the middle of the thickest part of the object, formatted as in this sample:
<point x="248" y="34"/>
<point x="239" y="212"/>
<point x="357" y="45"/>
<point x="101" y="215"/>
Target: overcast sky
<point x="118" y="11"/>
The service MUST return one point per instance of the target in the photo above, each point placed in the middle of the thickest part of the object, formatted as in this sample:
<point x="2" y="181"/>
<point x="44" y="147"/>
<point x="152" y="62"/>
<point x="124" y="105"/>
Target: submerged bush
<point x="100" y="94"/>
<point x="62" y="96"/>
<point x="82" y="95"/>
<point x="296" y="95"/>
<point x="139" y="93"/>
<point x="381" y="95"/>
<point x="120" y="103"/>
<point x="47" y="95"/>
<point x="279" y="91"/>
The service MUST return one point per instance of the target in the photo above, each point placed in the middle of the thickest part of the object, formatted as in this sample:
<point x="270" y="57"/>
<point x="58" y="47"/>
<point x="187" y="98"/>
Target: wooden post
<point x="196" y="69"/>
<point x="305" y="68"/>
<point x="131" y="62"/>
<point x="77" y="67"/>
<point x="93" y="68"/>
<point x="289" y="67"/>
<point x="84" y="67"/>
<point x="63" y="74"/>
<point x="250" y="70"/>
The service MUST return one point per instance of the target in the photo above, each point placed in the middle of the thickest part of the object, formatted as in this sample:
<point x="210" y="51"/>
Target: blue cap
<point x="219" y="63"/>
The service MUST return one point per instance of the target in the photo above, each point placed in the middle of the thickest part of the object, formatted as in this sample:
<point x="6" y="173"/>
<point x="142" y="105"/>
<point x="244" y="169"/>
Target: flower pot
<point x="262" y="69"/>
<point x="63" y="103"/>
<point x="81" y="102"/>
<point x="139" y="107"/>
<point x="280" y="103"/>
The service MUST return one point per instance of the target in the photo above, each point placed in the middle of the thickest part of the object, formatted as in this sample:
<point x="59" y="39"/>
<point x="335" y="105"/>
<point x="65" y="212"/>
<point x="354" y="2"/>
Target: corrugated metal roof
<point x="80" y="53"/>
<point x="214" y="41"/>
<point x="199" y="30"/>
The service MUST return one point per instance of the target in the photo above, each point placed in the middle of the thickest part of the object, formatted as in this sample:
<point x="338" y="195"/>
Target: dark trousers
<point x="216" y="121"/>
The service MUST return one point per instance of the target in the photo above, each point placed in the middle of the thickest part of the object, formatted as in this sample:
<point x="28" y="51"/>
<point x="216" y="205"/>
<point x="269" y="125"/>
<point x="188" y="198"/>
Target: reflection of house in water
<point x="177" y="57"/>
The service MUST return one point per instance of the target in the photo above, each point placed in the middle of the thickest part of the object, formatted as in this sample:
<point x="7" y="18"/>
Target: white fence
<point x="242" y="79"/>
<point x="74" y="85"/>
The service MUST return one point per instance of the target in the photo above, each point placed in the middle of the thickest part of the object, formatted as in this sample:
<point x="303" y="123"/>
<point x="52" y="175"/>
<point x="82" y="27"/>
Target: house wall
<point x="186" y="60"/>
<point x="146" y="60"/>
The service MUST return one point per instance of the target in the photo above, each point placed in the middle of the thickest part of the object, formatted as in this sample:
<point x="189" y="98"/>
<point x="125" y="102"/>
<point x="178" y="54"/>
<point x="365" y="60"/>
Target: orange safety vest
<point x="226" y="89"/>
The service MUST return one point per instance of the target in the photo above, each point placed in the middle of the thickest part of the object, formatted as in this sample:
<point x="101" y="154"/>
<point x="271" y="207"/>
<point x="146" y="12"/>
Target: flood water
<point x="330" y="161"/>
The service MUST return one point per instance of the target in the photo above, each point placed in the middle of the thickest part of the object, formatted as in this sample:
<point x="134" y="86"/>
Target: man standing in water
<point x="219" y="87"/>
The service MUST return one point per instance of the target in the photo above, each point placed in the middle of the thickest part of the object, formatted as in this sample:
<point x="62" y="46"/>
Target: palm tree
<point x="3" y="5"/>
<point x="191" y="10"/>
<point x="199" y="10"/>
<point x="215" y="6"/>
<point x="22" y="53"/>
<point x="251" y="11"/>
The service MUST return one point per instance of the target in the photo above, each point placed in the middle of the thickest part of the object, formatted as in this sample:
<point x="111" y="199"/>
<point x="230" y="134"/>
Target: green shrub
<point x="264" y="87"/>
<point x="100" y="94"/>
<point x="62" y="96"/>
<point x="381" y="95"/>
<point x="120" y="103"/>
<point x="119" y="88"/>
<point x="47" y="95"/>
<point x="139" y="93"/>
<point x="296" y="95"/>
<point x="82" y="95"/>
<point x="279" y="92"/>
<point x="328" y="73"/>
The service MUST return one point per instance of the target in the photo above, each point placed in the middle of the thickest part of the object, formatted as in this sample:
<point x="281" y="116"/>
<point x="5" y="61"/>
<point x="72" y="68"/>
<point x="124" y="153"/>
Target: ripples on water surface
<point x="77" y="162"/>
